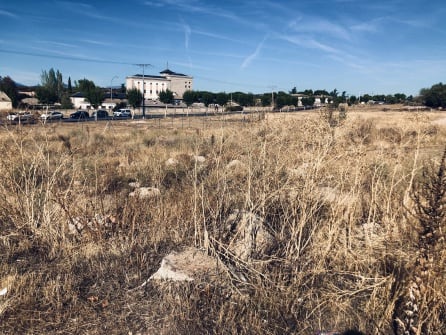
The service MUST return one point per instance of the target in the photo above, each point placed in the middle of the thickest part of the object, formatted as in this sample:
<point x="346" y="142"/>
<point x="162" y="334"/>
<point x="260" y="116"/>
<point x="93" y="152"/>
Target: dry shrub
<point x="334" y="208"/>
<point x="431" y="130"/>
<point x="390" y="134"/>
<point x="364" y="132"/>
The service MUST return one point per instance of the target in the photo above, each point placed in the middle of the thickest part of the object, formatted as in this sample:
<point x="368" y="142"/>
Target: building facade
<point x="178" y="83"/>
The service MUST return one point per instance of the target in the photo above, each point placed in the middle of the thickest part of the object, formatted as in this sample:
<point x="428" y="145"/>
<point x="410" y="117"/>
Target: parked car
<point x="123" y="112"/>
<point x="52" y="115"/>
<point x="25" y="117"/>
<point x="79" y="115"/>
<point x="100" y="114"/>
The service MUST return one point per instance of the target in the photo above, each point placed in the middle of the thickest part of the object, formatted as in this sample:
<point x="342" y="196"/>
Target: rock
<point x="249" y="236"/>
<point x="235" y="164"/>
<point x="199" y="159"/>
<point x="134" y="184"/>
<point x="172" y="162"/>
<point x="76" y="225"/>
<point x="236" y="169"/>
<point x="186" y="265"/>
<point x="145" y="193"/>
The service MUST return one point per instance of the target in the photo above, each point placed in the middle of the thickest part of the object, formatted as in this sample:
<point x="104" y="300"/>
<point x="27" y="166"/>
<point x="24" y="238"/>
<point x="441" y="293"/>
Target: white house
<point x="5" y="102"/>
<point x="178" y="83"/>
<point x="79" y="101"/>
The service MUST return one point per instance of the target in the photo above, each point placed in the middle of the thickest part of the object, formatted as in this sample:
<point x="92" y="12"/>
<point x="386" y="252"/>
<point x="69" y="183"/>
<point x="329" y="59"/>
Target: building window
<point x="150" y="91"/>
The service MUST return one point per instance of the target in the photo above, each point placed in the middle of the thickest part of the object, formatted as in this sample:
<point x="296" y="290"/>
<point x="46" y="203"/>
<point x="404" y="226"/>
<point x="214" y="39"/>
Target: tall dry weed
<point x="332" y="198"/>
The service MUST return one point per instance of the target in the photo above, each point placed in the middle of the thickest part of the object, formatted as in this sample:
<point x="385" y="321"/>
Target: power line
<point x="35" y="54"/>
<point x="107" y="61"/>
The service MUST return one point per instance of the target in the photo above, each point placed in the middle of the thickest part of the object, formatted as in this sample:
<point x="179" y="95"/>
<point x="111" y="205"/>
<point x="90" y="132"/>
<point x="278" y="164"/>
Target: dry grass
<point x="336" y="200"/>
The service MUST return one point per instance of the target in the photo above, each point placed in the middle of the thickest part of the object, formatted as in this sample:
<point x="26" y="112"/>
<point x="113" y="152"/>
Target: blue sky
<point x="357" y="46"/>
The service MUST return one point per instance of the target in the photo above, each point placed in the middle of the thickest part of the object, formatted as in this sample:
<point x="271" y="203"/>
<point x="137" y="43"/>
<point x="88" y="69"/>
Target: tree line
<point x="53" y="90"/>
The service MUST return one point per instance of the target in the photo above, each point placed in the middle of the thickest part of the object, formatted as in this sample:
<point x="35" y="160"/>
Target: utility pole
<point x="111" y="88"/>
<point x="143" y="90"/>
<point x="272" y="97"/>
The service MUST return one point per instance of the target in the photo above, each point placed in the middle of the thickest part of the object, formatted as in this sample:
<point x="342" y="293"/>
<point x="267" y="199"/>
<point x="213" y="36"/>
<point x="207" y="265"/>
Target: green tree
<point x="69" y="88"/>
<point x="243" y="99"/>
<point x="352" y="100"/>
<point x="321" y="92"/>
<point x="206" y="97"/>
<point x="308" y="101"/>
<point x="266" y="99"/>
<point x="390" y="99"/>
<point x="285" y="99"/>
<point x="91" y="92"/>
<point x="334" y="93"/>
<point x="46" y="95"/>
<point x="134" y="97"/>
<point x="52" y="82"/>
<point x="400" y="97"/>
<point x="66" y="101"/>
<point x="166" y="96"/>
<point x="221" y="98"/>
<point x="8" y="86"/>
<point x="308" y="92"/>
<point x="366" y="98"/>
<point x="435" y="96"/>
<point x="189" y="97"/>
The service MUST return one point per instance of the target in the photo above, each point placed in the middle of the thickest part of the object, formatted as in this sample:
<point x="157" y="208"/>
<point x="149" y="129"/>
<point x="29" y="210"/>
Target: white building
<point x="178" y="83"/>
<point x="79" y="101"/>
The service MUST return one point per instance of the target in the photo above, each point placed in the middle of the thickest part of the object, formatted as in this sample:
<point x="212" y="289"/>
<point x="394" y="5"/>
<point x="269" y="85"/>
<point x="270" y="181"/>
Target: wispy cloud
<point x="190" y="65"/>
<point x="96" y="42"/>
<point x="202" y="7"/>
<point x="309" y="43"/>
<point x="349" y="61"/>
<point x="196" y="7"/>
<point x="87" y="10"/>
<point x="56" y="43"/>
<point x="7" y="14"/>
<point x="254" y="55"/>
<point x="319" y="26"/>
<point x="371" y="27"/>
<point x="75" y="6"/>
<point x="219" y="36"/>
<point x="187" y="33"/>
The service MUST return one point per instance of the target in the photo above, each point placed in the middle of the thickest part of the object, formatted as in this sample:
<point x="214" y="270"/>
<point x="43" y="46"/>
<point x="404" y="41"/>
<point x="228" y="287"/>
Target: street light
<point x="143" y="90"/>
